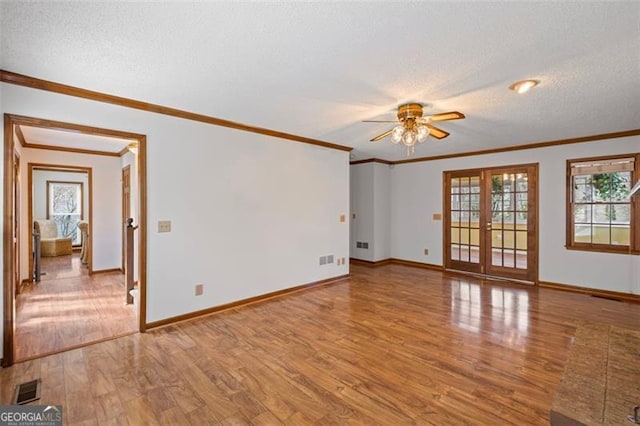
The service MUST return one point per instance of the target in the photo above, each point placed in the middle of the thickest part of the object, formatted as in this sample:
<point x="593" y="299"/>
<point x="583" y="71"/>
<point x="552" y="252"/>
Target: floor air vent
<point x="28" y="392"/>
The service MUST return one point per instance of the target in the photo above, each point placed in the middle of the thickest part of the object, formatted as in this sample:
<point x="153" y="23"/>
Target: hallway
<point x="70" y="308"/>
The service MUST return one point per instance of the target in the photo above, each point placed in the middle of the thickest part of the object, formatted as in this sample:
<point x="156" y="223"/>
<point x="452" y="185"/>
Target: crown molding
<point x="371" y="160"/>
<point x="50" y="86"/>
<point x="534" y="145"/>
<point x="19" y="120"/>
<point x="72" y="150"/>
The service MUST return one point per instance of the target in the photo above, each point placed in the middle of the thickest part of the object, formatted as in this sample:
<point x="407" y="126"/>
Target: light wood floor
<point x="391" y="345"/>
<point x="69" y="307"/>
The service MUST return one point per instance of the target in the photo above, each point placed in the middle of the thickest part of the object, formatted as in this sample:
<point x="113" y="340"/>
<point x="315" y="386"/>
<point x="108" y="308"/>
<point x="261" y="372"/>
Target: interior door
<point x="491" y="221"/>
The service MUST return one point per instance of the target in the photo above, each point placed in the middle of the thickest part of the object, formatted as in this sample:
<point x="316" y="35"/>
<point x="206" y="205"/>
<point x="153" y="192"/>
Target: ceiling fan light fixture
<point x="523" y="86"/>
<point x="423" y="133"/>
<point x="413" y="128"/>
<point x="396" y="134"/>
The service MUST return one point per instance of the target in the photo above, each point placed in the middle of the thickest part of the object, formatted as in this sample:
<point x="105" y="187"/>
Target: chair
<point x="50" y="243"/>
<point x="84" y="238"/>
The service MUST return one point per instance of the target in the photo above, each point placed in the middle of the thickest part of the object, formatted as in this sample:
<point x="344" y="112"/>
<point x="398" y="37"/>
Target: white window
<point x="64" y="206"/>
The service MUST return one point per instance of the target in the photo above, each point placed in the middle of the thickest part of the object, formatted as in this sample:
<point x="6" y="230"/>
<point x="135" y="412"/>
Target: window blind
<point x="603" y="166"/>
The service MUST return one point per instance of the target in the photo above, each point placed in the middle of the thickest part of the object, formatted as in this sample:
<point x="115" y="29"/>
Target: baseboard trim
<point x="393" y="260"/>
<point x="106" y="271"/>
<point x="244" y="302"/>
<point x="607" y="294"/>
<point x="369" y="263"/>
<point x="415" y="264"/>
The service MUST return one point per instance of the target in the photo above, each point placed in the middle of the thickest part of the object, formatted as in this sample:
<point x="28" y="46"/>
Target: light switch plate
<point x="164" y="226"/>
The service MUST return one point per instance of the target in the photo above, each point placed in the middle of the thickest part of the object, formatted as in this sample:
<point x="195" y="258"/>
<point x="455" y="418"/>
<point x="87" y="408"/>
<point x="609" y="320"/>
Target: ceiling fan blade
<point x="379" y="121"/>
<point x="444" y="116"/>
<point x="381" y="136"/>
<point x="437" y="132"/>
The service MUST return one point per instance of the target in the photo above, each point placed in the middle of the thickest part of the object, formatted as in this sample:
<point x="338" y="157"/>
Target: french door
<point x="490" y="224"/>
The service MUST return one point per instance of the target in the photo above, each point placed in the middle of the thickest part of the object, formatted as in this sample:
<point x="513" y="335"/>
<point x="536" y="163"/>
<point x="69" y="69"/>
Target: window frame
<point x="634" y="215"/>
<point x="50" y="213"/>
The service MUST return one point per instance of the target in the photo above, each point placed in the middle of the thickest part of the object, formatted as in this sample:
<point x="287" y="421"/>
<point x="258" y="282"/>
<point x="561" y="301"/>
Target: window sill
<point x="604" y="249"/>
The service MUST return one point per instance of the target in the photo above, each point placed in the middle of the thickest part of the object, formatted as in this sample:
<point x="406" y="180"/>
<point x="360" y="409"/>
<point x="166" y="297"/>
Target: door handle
<point x="489" y="225"/>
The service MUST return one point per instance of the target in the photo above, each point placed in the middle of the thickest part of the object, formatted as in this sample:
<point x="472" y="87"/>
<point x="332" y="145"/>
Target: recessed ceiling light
<point x="524" y="85"/>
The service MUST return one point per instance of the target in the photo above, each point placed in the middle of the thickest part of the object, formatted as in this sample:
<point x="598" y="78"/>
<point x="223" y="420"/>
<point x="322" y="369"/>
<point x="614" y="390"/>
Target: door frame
<point x="60" y="168"/>
<point x="16" y="220"/>
<point x="9" y="187"/>
<point x="533" y="241"/>
<point x="126" y="208"/>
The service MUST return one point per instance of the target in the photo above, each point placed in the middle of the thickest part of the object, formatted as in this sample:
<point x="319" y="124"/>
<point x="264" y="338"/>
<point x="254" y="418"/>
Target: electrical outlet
<point x="343" y="260"/>
<point x="164" y="226"/>
<point x="199" y="289"/>
<point x="342" y="218"/>
<point x="437" y="216"/>
<point x="426" y="252"/>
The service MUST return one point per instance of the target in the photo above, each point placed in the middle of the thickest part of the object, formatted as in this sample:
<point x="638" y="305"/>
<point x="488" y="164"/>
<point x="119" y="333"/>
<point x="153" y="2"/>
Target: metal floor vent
<point x="28" y="392"/>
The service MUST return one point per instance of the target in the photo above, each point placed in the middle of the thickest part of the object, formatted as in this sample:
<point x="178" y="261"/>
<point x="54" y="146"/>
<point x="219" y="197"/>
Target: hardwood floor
<point x="69" y="308"/>
<point x="391" y="345"/>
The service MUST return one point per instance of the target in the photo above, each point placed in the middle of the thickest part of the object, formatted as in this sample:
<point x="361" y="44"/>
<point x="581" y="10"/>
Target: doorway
<point x="491" y="221"/>
<point x="84" y="140"/>
<point x="63" y="194"/>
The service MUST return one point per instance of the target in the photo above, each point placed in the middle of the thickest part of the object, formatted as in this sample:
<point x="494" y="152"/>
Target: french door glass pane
<point x="521" y="259"/>
<point x="496" y="239"/>
<point x="455" y="252"/>
<point x="521" y="240"/>
<point x="475" y="237"/>
<point x="474" y="254"/>
<point x="496" y="257"/>
<point x="508" y="258"/>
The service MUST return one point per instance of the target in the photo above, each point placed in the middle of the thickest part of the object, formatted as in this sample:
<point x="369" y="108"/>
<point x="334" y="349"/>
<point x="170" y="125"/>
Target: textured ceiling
<point x="317" y="69"/>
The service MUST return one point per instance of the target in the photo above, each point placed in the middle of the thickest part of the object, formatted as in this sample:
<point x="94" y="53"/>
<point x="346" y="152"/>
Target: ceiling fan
<point x="413" y="128"/>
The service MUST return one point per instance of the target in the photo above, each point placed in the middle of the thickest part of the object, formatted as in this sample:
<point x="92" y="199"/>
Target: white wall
<point x="416" y="193"/>
<point x="106" y="239"/>
<point x="362" y="206"/>
<point x="370" y="201"/>
<point x="40" y="178"/>
<point x="251" y="214"/>
<point x="382" y="209"/>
